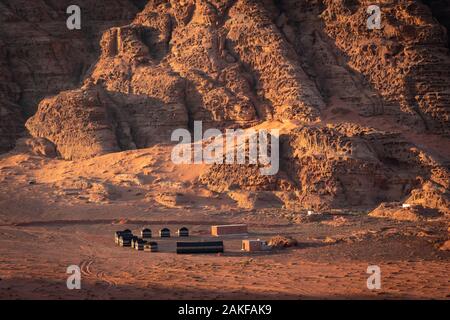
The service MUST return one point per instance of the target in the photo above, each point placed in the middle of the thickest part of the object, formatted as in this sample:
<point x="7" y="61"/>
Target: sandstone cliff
<point x="237" y="63"/>
<point x="40" y="57"/>
<point x="406" y="61"/>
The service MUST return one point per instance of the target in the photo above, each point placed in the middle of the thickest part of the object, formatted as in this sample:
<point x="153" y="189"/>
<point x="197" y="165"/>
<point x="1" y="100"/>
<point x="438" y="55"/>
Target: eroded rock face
<point x="260" y="45"/>
<point x="432" y="195"/>
<point x="40" y="57"/>
<point x="10" y="124"/>
<point x="338" y="166"/>
<point x="407" y="60"/>
<point x="238" y="63"/>
<point x="79" y="122"/>
<point x="10" y="112"/>
<point x="45" y="55"/>
<point x="231" y="63"/>
<point x="441" y="11"/>
<point x="224" y="64"/>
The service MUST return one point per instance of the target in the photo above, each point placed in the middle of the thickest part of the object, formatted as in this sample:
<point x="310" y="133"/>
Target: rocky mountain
<point x="357" y="98"/>
<point x="40" y="57"/>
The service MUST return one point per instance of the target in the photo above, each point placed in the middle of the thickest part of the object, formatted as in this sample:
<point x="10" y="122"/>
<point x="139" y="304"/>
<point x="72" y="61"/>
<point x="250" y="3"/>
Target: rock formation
<point x="341" y="166"/>
<point x="175" y="64"/>
<point x="11" y="120"/>
<point x="40" y="57"/>
<point x="238" y="63"/>
<point x="406" y="61"/>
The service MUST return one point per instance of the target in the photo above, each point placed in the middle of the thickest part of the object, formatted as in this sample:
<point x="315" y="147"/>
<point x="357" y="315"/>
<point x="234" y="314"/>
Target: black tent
<point x="126" y="234"/>
<point x="164" y="233"/>
<point x="151" y="247"/>
<point x="146" y="233"/>
<point x="183" y="232"/>
<point x="200" y="247"/>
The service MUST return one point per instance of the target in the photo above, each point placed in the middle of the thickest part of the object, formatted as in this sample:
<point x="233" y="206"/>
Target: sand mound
<point x="396" y="212"/>
<point x="254" y="200"/>
<point x="36" y="146"/>
<point x="279" y="242"/>
<point x="103" y="192"/>
<point x="170" y="199"/>
<point x="87" y="189"/>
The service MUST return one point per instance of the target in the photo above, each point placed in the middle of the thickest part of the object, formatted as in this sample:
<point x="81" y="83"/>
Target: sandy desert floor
<point x="58" y="213"/>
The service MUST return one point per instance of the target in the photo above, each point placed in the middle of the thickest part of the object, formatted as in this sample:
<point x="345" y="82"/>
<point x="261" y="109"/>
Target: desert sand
<point x="49" y="220"/>
<point x="86" y="123"/>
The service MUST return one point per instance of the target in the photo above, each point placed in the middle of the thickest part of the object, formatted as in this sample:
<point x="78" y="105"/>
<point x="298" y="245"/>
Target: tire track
<point x="87" y="267"/>
<point x="101" y="275"/>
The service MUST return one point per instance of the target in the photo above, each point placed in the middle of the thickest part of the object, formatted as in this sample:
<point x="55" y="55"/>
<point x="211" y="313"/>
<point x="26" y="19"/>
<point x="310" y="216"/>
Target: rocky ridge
<point x="240" y="63"/>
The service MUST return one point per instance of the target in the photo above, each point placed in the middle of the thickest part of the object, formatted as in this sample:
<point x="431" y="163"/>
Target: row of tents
<point x="164" y="233"/>
<point x="127" y="239"/>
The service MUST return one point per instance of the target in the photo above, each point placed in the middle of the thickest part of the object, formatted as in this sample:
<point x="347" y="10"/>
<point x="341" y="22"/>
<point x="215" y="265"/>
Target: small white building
<point x="254" y="245"/>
